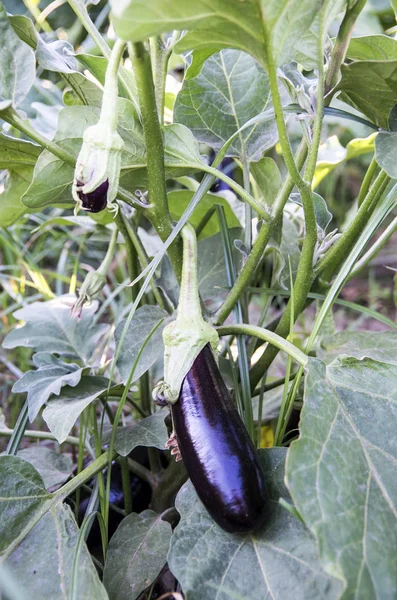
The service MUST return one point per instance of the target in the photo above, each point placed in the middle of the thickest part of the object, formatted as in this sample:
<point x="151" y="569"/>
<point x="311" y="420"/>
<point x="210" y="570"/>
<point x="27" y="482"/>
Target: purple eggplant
<point x="94" y="201"/>
<point x="217" y="451"/>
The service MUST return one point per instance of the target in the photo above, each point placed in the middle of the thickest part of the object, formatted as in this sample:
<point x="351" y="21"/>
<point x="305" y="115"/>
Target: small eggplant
<point x="217" y="451"/>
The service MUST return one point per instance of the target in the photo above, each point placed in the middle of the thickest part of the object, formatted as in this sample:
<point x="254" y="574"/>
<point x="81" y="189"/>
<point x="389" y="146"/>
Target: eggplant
<point x="94" y="201"/>
<point x="217" y="451"/>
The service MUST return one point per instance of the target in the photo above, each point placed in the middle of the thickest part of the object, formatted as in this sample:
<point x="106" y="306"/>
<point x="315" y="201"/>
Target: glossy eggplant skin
<point x="217" y="451"/>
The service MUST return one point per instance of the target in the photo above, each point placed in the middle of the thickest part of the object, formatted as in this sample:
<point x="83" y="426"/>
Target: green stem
<point x="337" y="253"/>
<point x="341" y="46"/>
<point x="256" y="255"/>
<point x="189" y="305"/>
<point x="40" y="435"/>
<point x="160" y="55"/>
<point x="109" y="113"/>
<point x="95" y="467"/>
<point x="84" y="18"/>
<point x="105" y="264"/>
<point x="158" y="213"/>
<point x="132" y="262"/>
<point x="372" y="170"/>
<point x="125" y="478"/>
<point x="267" y="336"/>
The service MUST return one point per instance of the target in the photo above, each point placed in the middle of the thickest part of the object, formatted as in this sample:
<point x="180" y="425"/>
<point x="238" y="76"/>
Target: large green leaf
<point x="62" y="412"/>
<point x="372" y="47"/>
<point x="16" y="153"/>
<point x="49" y="327"/>
<point x="220" y="23"/>
<point x="16" y="184"/>
<point x="44" y="560"/>
<point x="278" y="562"/>
<point x="136" y="554"/>
<point x="370" y="86"/>
<point x="379" y="345"/>
<point x="49" y="377"/>
<point x="341" y="472"/>
<point x="268" y="178"/>
<point x="142" y="323"/>
<point x="20" y="482"/>
<point x="54" y="468"/>
<point x="17" y="62"/>
<point x="231" y="89"/>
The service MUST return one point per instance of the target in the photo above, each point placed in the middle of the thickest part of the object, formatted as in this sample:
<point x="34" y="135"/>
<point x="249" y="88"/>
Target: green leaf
<point x="15" y="153"/>
<point x="97" y="66"/>
<point x="268" y="178"/>
<point x="61" y="413"/>
<point x="386" y="152"/>
<point x="49" y="327"/>
<point x="332" y="153"/>
<point x="142" y="323"/>
<point x="136" y="554"/>
<point x="150" y="432"/>
<point x="24" y="28"/>
<point x="50" y="376"/>
<point x="82" y="91"/>
<point x="44" y="560"/>
<point x="179" y="200"/>
<point x="231" y="89"/>
<point x="341" y="472"/>
<point x="220" y="23"/>
<point x="17" y="61"/>
<point x="323" y="216"/>
<point x="56" y="56"/>
<point x="23" y="495"/>
<point x="372" y="47"/>
<point x="54" y="468"/>
<point x="16" y="184"/>
<point x="378" y="345"/>
<point x="370" y="87"/>
<point x="278" y="562"/>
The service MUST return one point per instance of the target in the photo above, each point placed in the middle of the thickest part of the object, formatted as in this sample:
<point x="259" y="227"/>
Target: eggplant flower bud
<point x="97" y="173"/>
<point x="92" y="285"/>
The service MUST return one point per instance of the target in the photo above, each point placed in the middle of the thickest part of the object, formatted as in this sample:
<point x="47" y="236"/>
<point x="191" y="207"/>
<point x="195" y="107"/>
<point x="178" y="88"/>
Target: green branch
<point x="267" y="336"/>
<point x="158" y="212"/>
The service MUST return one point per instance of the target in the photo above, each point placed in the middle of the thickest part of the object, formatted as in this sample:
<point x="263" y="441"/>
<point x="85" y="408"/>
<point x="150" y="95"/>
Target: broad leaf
<point x="372" y="47"/>
<point x="49" y="327"/>
<point x="16" y="153"/>
<point x="268" y="178"/>
<point x="386" y="152"/>
<point x="150" y="432"/>
<point x="49" y="377"/>
<point x="332" y="153"/>
<point x="379" y="345"/>
<point x="341" y="472"/>
<point x="278" y="562"/>
<point x="231" y="89"/>
<point x="142" y="323"/>
<point x="17" y="61"/>
<point x="61" y="413"/>
<point x="136" y="554"/>
<point x="54" y="468"/>
<point x="370" y="87"/>
<point x="179" y="200"/>
<point x="323" y="216"/>
<point x="56" y="56"/>
<point x="44" y="560"/>
<point x="16" y="183"/>
<point x="20" y="482"/>
<point x="220" y="23"/>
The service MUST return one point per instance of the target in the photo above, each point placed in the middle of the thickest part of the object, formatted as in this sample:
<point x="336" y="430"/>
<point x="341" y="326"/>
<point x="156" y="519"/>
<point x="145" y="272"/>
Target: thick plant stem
<point x="335" y="256"/>
<point x="158" y="213"/>
<point x="132" y="257"/>
<point x="341" y="45"/>
<point x="95" y="467"/>
<point x="256" y="255"/>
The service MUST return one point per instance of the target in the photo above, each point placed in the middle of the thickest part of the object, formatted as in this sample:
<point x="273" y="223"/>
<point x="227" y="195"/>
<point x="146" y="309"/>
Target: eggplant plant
<point x="196" y="401"/>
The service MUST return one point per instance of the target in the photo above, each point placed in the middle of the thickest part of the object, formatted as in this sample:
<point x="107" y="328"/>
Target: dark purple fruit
<point x="217" y="451"/>
<point x="94" y="201"/>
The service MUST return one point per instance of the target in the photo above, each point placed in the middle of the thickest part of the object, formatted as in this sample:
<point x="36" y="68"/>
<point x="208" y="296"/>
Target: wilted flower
<point x="92" y="285"/>
<point x="97" y="170"/>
